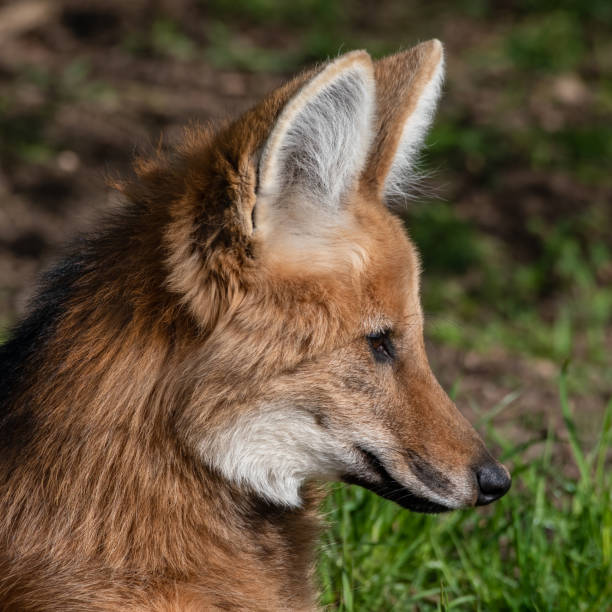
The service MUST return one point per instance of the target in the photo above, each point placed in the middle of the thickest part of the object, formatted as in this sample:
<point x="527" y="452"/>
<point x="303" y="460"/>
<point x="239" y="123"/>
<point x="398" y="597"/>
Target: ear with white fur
<point x="319" y="143"/>
<point x="408" y="86"/>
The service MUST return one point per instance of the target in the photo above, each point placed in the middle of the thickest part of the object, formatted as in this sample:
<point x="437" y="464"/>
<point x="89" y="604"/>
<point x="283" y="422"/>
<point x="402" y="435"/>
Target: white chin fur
<point x="273" y="452"/>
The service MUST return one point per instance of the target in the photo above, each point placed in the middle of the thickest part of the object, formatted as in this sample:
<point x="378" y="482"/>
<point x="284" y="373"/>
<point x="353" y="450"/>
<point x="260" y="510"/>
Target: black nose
<point x="493" y="481"/>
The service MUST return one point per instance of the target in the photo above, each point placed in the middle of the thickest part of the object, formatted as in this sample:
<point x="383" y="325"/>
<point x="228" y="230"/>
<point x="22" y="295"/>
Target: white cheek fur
<point x="273" y="452"/>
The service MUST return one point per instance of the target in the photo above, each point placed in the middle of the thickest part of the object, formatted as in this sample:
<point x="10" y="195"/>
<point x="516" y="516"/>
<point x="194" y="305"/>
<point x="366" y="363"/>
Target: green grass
<point x="478" y="295"/>
<point x="547" y="545"/>
<point x="550" y="43"/>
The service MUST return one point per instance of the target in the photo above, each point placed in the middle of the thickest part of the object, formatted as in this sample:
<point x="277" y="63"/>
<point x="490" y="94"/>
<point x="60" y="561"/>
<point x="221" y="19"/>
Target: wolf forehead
<point x="295" y="194"/>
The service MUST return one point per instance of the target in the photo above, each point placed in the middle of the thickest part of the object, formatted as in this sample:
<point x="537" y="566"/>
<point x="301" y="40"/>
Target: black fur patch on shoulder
<point x="22" y="354"/>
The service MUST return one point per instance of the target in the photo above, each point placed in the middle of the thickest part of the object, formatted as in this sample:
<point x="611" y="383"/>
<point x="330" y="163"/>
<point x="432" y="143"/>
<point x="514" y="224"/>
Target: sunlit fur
<point x="185" y="378"/>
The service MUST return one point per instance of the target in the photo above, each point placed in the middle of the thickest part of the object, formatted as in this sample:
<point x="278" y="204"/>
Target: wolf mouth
<point x="391" y="489"/>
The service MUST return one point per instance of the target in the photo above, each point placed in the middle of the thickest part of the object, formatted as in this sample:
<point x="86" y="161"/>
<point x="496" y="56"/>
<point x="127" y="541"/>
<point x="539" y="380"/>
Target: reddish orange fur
<point x="170" y="324"/>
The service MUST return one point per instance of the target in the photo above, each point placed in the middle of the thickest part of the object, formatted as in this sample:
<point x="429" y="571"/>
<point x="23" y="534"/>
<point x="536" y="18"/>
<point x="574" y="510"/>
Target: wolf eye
<point x="381" y="345"/>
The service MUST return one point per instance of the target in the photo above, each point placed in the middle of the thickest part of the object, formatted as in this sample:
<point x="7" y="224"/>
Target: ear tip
<point x="429" y="52"/>
<point x="359" y="56"/>
<point x="435" y="43"/>
<point x="357" y="53"/>
<point x="436" y="48"/>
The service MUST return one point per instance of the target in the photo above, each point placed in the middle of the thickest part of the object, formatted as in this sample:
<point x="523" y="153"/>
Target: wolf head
<point x="285" y="251"/>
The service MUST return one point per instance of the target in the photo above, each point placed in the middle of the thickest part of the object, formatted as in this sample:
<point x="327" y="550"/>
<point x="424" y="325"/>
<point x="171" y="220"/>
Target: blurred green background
<point x="514" y="223"/>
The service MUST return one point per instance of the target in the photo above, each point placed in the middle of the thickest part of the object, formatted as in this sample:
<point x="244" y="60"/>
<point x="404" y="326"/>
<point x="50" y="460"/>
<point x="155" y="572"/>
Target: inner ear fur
<point x="319" y="143"/>
<point x="407" y="89"/>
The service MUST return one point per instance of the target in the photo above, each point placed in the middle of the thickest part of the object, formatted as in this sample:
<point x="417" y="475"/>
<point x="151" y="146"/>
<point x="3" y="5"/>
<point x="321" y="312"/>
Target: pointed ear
<point x="318" y="145"/>
<point x="408" y="86"/>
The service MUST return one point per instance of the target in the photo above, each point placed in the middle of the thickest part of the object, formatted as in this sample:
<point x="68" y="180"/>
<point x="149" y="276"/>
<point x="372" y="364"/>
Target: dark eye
<point x="381" y="346"/>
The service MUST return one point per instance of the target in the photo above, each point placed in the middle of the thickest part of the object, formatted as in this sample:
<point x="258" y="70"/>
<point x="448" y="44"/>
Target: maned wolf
<point x="247" y="326"/>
